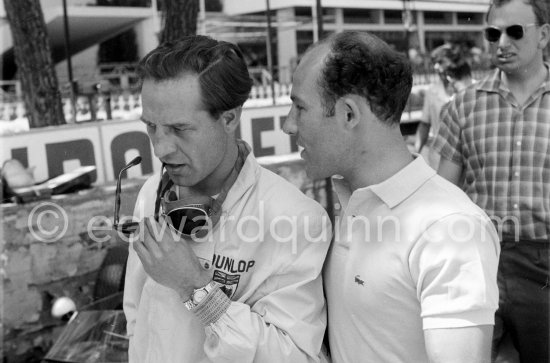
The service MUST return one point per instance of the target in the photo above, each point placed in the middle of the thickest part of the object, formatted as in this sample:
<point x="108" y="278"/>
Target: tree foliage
<point x="36" y="69"/>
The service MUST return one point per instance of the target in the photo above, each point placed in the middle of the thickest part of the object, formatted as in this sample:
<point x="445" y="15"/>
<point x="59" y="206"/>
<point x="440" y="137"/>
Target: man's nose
<point x="289" y="126"/>
<point x="504" y="40"/>
<point x="163" y="145"/>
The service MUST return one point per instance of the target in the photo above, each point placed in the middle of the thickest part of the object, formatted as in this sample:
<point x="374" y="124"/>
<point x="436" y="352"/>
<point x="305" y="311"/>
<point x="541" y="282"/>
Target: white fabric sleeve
<point x="133" y="286"/>
<point x="454" y="265"/>
<point x="288" y="323"/>
<point x="135" y="274"/>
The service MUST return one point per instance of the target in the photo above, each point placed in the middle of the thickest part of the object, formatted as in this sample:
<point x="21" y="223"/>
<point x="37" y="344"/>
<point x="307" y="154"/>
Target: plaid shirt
<point x="504" y="149"/>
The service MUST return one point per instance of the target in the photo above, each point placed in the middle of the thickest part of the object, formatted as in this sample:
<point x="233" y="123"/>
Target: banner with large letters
<point x="109" y="145"/>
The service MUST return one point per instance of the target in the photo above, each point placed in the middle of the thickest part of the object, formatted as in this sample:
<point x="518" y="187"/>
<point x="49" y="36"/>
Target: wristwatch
<point x="200" y="294"/>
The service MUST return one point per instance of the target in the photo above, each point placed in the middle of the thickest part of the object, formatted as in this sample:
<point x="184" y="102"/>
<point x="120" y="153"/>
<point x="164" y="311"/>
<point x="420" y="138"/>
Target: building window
<point x="393" y="17"/>
<point x="305" y="12"/>
<point x="304" y="38"/>
<point x="329" y="15"/>
<point x="437" y="17"/>
<point x="469" y="18"/>
<point x="302" y="11"/>
<point x="360" y="16"/>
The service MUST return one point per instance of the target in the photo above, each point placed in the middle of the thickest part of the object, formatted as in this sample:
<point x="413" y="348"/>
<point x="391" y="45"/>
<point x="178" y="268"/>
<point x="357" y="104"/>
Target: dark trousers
<point x="524" y="287"/>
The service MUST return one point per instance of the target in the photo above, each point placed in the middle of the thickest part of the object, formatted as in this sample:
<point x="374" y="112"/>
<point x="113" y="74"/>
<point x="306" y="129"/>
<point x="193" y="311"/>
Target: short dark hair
<point x="454" y="60"/>
<point x="222" y="72"/>
<point x="361" y="63"/>
<point x="540" y="9"/>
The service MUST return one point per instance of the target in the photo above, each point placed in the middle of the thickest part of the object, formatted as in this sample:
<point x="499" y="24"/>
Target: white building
<point x="294" y="27"/>
<point x="432" y="22"/>
<point x="88" y="25"/>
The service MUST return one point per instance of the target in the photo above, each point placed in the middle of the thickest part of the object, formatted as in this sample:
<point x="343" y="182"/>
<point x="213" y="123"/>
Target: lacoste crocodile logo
<point x="358" y="280"/>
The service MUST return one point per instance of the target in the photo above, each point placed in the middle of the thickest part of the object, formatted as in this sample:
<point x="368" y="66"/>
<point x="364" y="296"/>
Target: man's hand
<point x="170" y="263"/>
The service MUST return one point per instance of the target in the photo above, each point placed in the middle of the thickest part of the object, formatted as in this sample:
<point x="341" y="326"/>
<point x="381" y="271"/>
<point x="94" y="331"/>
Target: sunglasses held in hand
<point x="185" y="219"/>
<point x="189" y="220"/>
<point x="188" y="217"/>
<point x="516" y="32"/>
<point x="127" y="228"/>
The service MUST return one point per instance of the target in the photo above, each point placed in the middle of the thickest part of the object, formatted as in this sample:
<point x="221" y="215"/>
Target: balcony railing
<point x="123" y="105"/>
<point x="127" y="104"/>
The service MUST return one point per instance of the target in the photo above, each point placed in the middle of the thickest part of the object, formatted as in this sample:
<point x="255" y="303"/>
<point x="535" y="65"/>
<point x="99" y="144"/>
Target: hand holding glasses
<point x="127" y="228"/>
<point x="516" y="32"/>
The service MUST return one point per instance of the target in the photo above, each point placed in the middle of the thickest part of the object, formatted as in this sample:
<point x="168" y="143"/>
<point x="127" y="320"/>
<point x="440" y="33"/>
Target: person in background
<point x="454" y="74"/>
<point x="494" y="141"/>
<point x="411" y="275"/>
<point x="250" y="289"/>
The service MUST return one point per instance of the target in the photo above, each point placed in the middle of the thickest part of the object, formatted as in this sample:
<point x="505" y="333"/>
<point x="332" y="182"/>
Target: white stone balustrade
<point x="124" y="105"/>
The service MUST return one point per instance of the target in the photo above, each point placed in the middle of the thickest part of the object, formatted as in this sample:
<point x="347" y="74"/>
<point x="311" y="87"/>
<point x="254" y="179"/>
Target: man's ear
<point x="545" y="36"/>
<point x="231" y="119"/>
<point x="350" y="111"/>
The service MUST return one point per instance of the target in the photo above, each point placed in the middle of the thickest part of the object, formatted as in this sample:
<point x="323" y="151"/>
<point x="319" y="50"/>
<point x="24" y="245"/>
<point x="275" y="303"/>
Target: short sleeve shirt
<point x="409" y="254"/>
<point x="504" y="149"/>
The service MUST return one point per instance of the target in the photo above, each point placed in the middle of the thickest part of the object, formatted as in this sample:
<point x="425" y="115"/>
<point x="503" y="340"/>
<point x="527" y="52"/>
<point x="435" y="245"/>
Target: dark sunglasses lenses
<point x="493" y="34"/>
<point x="515" y="31"/>
<point x="187" y="221"/>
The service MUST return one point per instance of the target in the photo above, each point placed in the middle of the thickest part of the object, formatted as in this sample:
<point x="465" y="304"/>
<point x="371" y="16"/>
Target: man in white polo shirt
<point x="411" y="276"/>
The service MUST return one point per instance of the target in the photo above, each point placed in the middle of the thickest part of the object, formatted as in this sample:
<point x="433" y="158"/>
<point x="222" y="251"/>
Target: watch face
<point x="199" y="295"/>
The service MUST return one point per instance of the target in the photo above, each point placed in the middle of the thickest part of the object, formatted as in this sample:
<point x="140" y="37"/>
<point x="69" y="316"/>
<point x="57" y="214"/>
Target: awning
<point x="88" y="25"/>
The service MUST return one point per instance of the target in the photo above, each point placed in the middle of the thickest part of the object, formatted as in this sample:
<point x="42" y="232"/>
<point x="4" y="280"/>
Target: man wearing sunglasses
<point x="494" y="142"/>
<point x="225" y="266"/>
